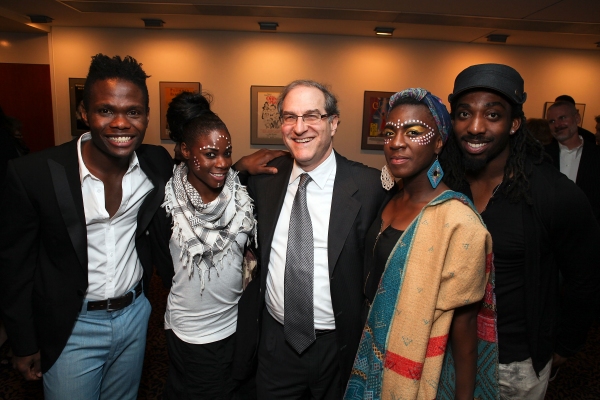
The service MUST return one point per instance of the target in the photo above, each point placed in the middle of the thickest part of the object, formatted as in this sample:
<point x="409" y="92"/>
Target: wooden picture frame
<point x="265" y="125"/>
<point x="78" y="127"/>
<point x="375" y="110"/>
<point x="168" y="90"/>
<point x="579" y="106"/>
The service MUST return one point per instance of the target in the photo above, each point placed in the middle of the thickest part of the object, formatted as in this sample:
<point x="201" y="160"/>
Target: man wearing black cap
<point x="540" y="223"/>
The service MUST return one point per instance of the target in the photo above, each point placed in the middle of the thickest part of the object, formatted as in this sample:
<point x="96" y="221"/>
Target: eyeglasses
<point x="290" y="119"/>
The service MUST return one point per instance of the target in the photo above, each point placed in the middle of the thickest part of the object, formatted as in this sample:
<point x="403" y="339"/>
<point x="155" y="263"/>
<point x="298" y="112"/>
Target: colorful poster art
<point x="376" y="105"/>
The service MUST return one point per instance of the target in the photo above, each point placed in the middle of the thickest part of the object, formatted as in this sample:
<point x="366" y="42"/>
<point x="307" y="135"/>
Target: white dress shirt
<point x="318" y="199"/>
<point x="569" y="159"/>
<point x="113" y="264"/>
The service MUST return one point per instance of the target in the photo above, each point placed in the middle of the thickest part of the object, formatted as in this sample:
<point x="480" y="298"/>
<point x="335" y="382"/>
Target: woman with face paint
<point x="213" y="220"/>
<point x="429" y="265"/>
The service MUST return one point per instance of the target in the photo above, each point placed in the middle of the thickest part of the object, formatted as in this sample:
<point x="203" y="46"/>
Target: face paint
<point x="413" y="126"/>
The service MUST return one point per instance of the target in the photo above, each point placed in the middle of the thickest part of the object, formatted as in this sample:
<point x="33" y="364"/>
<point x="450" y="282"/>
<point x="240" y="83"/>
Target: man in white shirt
<point x="577" y="158"/>
<point x="77" y="245"/>
<point x="325" y="309"/>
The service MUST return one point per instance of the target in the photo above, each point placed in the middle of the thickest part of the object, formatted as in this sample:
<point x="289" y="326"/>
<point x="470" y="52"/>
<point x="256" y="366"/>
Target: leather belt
<point x="116" y="303"/>
<point x="323" y="332"/>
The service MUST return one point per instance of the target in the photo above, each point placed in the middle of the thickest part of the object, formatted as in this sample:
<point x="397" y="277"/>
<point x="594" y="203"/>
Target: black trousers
<point x="199" y="371"/>
<point x="284" y="374"/>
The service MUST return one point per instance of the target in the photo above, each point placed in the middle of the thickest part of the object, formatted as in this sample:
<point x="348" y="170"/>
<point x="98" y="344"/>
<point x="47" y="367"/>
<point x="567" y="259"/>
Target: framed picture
<point x="265" y="126"/>
<point x="376" y="105"/>
<point x="168" y="90"/>
<point x="579" y="106"/>
<point x="78" y="127"/>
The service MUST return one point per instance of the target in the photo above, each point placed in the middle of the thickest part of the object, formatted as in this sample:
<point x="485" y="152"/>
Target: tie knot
<point x="304" y="180"/>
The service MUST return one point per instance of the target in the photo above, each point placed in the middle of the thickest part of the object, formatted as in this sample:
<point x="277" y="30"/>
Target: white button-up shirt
<point x="318" y="200"/>
<point x="113" y="264"/>
<point x="569" y="160"/>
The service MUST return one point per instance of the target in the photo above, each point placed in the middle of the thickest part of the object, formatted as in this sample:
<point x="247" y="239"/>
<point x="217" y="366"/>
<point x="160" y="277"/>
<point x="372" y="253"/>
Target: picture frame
<point x="265" y="125"/>
<point x="579" y="106"/>
<point x="376" y="105"/>
<point x="78" y="127"/>
<point x="168" y="90"/>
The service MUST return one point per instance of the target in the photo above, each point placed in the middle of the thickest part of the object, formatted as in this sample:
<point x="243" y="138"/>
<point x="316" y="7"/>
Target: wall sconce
<point x="153" y="23"/>
<point x="40" y="19"/>
<point x="268" y="26"/>
<point x="497" y="38"/>
<point x="383" y="31"/>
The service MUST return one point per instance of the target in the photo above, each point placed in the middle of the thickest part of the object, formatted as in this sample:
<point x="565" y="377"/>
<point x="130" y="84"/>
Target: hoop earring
<point x="435" y="173"/>
<point x="387" y="179"/>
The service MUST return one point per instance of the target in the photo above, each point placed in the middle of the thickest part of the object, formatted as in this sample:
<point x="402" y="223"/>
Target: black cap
<point x="498" y="77"/>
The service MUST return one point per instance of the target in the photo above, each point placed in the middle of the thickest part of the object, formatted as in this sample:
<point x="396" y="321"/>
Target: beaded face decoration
<point x="213" y="146"/>
<point x="420" y="139"/>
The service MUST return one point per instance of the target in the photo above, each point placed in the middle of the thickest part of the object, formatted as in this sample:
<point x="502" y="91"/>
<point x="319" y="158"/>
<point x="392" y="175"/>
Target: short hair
<point x="568" y="104"/>
<point x="565" y="98"/>
<point x="189" y="116"/>
<point x="104" y="67"/>
<point x="331" y="106"/>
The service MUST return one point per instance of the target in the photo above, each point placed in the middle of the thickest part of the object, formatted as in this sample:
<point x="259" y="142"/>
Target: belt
<point x="323" y="332"/>
<point x="116" y="303"/>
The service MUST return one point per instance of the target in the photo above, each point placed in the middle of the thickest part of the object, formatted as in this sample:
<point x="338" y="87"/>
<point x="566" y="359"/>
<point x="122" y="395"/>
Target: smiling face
<point x="310" y="144"/>
<point x="563" y="120"/>
<point x="411" y="141"/>
<point x="482" y="128"/>
<point x="208" y="159"/>
<point x="117" y="116"/>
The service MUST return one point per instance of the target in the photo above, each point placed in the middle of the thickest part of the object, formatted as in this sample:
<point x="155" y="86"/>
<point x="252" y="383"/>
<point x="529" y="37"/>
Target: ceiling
<point x="572" y="24"/>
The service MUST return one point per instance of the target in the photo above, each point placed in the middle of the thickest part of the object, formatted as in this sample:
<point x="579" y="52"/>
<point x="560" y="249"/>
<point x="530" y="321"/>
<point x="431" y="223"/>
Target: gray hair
<point x="331" y="106"/>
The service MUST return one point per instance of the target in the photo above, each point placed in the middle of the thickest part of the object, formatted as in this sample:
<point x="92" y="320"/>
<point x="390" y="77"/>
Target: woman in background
<point x="429" y="261"/>
<point x="212" y="222"/>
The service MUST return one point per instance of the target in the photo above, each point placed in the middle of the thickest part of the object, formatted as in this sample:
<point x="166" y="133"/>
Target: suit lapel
<point x="344" y="209"/>
<point x="67" y="187"/>
<point x="274" y="196"/>
<point x="154" y="199"/>
<point x="586" y="163"/>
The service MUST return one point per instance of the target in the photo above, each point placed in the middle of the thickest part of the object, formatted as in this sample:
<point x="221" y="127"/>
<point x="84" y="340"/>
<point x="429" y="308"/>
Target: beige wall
<point x="228" y="63"/>
<point x="24" y="48"/>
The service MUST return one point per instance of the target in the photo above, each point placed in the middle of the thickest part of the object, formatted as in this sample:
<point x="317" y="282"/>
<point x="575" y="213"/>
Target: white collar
<point x="85" y="172"/>
<point x="319" y="175"/>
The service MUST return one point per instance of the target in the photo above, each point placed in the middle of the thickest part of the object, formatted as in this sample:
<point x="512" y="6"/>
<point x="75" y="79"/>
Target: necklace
<point x="492" y="196"/>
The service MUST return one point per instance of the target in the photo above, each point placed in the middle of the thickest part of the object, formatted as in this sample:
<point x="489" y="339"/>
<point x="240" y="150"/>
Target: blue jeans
<point x="103" y="357"/>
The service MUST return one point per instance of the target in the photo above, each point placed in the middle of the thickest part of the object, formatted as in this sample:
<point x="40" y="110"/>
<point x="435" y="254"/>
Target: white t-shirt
<point x="199" y="316"/>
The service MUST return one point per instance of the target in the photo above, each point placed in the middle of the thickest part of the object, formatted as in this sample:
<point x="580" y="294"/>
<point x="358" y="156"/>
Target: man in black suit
<point x="342" y="198"/>
<point x="76" y="245"/>
<point x="572" y="154"/>
<point x="584" y="133"/>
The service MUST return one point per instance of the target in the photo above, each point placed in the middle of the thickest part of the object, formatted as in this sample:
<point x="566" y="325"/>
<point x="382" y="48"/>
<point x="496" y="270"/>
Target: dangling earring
<point x="435" y="173"/>
<point x="387" y="179"/>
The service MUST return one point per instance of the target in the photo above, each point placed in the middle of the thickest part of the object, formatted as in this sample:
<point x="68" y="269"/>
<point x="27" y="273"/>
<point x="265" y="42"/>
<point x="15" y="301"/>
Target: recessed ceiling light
<point x="496" y="38"/>
<point x="153" y="23"/>
<point x="268" y="26"/>
<point x="383" y="31"/>
<point x="40" y="19"/>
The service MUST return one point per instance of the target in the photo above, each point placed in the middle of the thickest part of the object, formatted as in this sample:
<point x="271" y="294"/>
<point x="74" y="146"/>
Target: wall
<point x="228" y="63"/>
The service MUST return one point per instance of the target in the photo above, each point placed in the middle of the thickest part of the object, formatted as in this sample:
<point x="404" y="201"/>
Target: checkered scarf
<point x="206" y="231"/>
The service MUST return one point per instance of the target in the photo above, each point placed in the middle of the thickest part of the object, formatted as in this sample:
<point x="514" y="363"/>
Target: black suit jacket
<point x="588" y="174"/>
<point x="43" y="244"/>
<point x="357" y="196"/>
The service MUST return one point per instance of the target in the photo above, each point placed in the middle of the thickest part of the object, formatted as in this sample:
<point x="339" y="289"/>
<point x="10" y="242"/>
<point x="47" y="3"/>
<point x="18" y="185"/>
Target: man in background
<point x="584" y="133"/>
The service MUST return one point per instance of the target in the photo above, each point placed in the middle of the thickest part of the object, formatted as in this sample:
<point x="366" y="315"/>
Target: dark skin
<point x="409" y="160"/>
<point x="118" y="117"/>
<point x="486" y="115"/>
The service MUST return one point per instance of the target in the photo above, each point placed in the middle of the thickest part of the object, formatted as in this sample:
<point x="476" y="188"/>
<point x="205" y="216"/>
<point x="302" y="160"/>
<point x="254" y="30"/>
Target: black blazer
<point x="588" y="174"/>
<point x="43" y="244"/>
<point x="357" y="196"/>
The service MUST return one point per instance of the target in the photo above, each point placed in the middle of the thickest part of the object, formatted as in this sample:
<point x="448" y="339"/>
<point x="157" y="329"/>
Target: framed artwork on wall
<point x="579" y="106"/>
<point x="168" y="90"/>
<point x="265" y="126"/>
<point x="375" y="111"/>
<point x="78" y="127"/>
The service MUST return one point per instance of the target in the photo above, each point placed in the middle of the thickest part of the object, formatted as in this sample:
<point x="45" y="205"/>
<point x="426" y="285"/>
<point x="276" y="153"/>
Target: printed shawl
<point x="441" y="262"/>
<point x="206" y="232"/>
